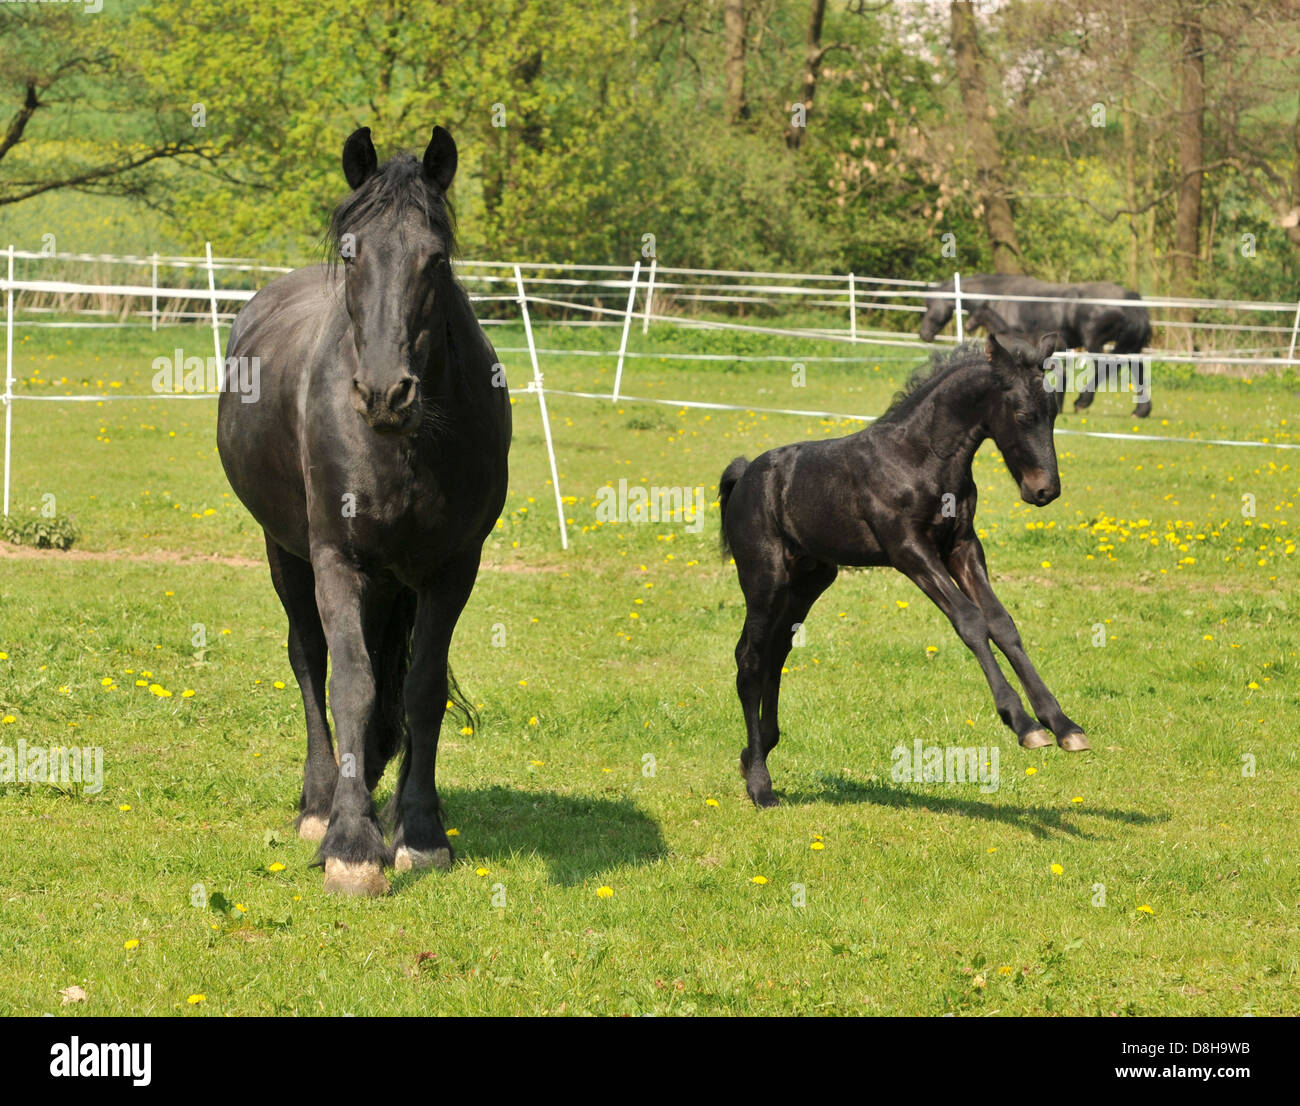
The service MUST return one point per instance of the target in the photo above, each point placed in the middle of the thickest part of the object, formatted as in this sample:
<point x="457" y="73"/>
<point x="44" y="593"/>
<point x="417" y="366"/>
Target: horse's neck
<point x="950" y="421"/>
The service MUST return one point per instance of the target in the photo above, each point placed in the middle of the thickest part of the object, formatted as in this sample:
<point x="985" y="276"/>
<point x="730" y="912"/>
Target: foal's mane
<point x="924" y="380"/>
<point x="397" y="186"/>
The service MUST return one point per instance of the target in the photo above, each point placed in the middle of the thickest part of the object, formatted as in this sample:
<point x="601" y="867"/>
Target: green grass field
<point x="609" y="860"/>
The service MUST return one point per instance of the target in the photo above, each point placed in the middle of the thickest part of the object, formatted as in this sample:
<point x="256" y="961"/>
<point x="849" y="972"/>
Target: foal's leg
<point x="969" y="569"/>
<point x="419" y="840"/>
<point x="921" y="563"/>
<point x="765" y="581"/>
<point x="353" y="849"/>
<point x="1143" y="370"/>
<point x="296" y="586"/>
<point x="803" y="593"/>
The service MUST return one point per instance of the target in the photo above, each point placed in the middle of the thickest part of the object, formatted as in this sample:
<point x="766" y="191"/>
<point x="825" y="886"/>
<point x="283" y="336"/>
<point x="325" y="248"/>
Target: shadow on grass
<point x="1041" y="821"/>
<point x="578" y="836"/>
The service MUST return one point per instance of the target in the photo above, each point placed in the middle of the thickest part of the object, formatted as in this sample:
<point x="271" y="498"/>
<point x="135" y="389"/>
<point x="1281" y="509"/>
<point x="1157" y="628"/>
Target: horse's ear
<point x="359" y="159"/>
<point x="440" y="158"/>
<point x="995" y="353"/>
<point x="1046" y="347"/>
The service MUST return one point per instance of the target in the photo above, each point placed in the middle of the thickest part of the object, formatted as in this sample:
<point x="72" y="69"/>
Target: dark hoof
<point x="1080" y="405"/>
<point x="361" y="878"/>
<point x="1074" y="742"/>
<point x="1142" y="410"/>
<point x="765" y="800"/>
<point x="1035" y="739"/>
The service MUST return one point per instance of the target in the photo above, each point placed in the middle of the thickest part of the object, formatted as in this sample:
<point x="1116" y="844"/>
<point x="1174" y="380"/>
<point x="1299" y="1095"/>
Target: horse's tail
<point x="1141" y="319"/>
<point x="726" y="484"/>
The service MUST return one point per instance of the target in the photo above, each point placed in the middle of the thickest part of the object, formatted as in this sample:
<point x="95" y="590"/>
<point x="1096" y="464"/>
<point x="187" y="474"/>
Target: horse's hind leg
<point x="804" y="590"/>
<point x="295" y="584"/>
<point x="766" y="585"/>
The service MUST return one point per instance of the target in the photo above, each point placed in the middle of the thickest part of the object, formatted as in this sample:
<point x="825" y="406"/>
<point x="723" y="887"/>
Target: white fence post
<point x="853" y="308"/>
<point x="9" y="370"/>
<point x="541" y="403"/>
<point x="153" y="303"/>
<point x="956" y="288"/>
<point x="212" y="290"/>
<point x="627" y="325"/>
<point x="1295" y="326"/>
<point x="649" y="296"/>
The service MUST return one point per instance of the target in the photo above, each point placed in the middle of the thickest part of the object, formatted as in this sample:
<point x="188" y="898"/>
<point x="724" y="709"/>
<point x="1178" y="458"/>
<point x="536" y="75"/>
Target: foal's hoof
<point x="765" y="800"/>
<point x="312" y="827"/>
<point x="408" y="860"/>
<point x="362" y="878"/>
<point x="1142" y="410"/>
<point x="1035" y="739"/>
<point x="1074" y="742"/>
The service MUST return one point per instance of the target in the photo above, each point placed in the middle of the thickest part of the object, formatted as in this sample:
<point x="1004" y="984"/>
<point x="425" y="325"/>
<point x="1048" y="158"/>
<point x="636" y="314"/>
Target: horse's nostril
<point x="402" y="393"/>
<point x="361" y="389"/>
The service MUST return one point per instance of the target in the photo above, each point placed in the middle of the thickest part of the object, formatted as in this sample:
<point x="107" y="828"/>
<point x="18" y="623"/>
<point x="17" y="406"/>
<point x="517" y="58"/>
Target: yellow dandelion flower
<point x="902" y="604"/>
<point x="1031" y="771"/>
<point x="453" y="833"/>
<point x="124" y="807"/>
<point x="276" y="867"/>
<point x="760" y="880"/>
<point x="533" y="720"/>
<point x="1077" y="799"/>
<point x="604" y="892"/>
<point x="1057" y="870"/>
<point x="194" y="1000"/>
<point x="7" y="719"/>
<point x="132" y="944"/>
<point x="188" y="693"/>
<point x="1144" y="909"/>
<point x="710" y="802"/>
<point x="817" y="845"/>
<point x="482" y="871"/>
<point x="278" y="685"/>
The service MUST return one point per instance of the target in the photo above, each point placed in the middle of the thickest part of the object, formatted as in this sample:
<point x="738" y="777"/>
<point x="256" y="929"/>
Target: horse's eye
<point x="1026" y="418"/>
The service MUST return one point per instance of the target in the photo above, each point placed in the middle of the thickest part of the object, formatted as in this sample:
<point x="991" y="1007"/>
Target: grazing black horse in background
<point x="1088" y="326"/>
<point x="898" y="493"/>
<point x="375" y="461"/>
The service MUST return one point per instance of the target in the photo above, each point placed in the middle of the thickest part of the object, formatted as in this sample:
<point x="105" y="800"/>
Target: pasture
<point x="609" y="860"/>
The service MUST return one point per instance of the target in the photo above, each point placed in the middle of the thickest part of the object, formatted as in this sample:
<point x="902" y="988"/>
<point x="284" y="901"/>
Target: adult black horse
<point x="375" y="462"/>
<point x="898" y="493"/>
<point x="1089" y="326"/>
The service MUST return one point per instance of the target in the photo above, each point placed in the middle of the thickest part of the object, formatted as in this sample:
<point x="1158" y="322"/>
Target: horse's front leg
<point x="419" y="839"/>
<point x="970" y="570"/>
<point x="353" y="849"/>
<point x="920" y="562"/>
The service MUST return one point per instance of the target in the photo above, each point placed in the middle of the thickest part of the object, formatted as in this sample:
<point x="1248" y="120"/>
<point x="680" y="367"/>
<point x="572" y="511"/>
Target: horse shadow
<point x="1042" y="821"/>
<point x="578" y="836"/>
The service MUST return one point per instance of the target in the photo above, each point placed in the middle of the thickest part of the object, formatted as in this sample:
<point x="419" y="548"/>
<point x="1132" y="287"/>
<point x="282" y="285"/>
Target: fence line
<point x="522" y="297"/>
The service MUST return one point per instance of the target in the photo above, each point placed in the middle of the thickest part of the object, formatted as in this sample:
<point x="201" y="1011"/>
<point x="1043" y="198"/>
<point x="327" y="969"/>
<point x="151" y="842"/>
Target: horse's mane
<point x="397" y="186"/>
<point x="943" y="364"/>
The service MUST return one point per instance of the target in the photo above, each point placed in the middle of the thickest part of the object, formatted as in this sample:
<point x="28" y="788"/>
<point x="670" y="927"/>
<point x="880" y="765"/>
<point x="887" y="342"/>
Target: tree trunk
<point x="1191" y="149"/>
<point x="990" y="181"/>
<point x="733" y="63"/>
<point x="812" y="66"/>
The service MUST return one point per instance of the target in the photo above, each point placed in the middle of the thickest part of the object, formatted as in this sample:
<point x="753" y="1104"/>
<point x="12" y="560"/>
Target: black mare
<point x="375" y="462"/>
<point x="1086" y="326"/>
<point x="899" y="493"/>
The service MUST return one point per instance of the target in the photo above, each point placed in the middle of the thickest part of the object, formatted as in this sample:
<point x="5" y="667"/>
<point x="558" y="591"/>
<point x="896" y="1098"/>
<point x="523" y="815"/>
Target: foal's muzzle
<point x="392" y="410"/>
<point x="1039" y="488"/>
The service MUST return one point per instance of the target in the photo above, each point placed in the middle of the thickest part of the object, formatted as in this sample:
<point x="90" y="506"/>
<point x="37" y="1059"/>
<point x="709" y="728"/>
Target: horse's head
<point x="1024" y="409"/>
<point x="394" y="236"/>
<point x="937" y="314"/>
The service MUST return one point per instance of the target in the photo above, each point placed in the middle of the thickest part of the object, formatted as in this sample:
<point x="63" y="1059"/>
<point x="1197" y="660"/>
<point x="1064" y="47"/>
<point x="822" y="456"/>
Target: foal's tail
<point x="727" y="482"/>
<point x="391" y="734"/>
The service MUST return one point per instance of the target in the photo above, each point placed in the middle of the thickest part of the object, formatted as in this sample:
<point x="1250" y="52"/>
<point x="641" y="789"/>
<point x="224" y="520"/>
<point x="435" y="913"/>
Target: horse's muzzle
<point x="394" y="410"/>
<point x="1038" y="489"/>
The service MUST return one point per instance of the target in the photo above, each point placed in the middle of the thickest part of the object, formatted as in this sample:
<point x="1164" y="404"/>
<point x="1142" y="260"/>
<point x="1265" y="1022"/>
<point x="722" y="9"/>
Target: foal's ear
<point x="1046" y="347"/>
<point x="359" y="159"/>
<point x="440" y="158"/>
<point x="996" y="354"/>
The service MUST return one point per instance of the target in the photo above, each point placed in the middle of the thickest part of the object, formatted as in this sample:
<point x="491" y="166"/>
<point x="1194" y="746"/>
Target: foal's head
<point x="393" y="234"/>
<point x="1022" y="414"/>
